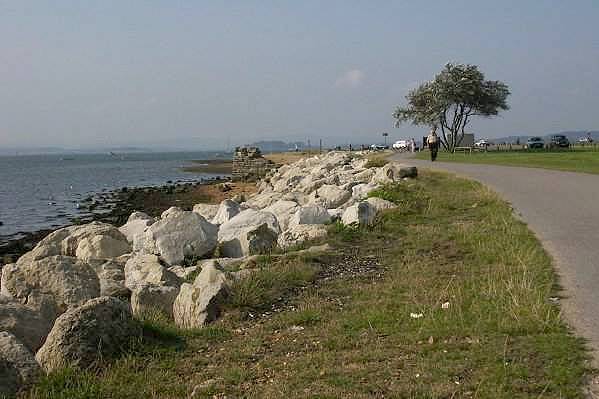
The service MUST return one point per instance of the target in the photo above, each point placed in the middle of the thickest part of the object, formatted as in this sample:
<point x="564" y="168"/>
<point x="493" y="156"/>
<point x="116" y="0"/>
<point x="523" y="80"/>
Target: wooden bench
<point x="463" y="149"/>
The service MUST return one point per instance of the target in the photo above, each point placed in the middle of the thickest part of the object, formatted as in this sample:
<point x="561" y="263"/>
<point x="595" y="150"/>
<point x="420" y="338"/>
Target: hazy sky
<point x="195" y="73"/>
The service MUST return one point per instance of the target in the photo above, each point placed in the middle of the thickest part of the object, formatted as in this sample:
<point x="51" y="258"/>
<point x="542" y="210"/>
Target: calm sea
<point x="43" y="191"/>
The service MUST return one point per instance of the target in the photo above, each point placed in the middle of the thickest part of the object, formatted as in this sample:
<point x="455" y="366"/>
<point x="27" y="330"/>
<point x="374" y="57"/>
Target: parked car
<point x="535" y="142"/>
<point x="585" y="140"/>
<point x="401" y="145"/>
<point x="379" y="147"/>
<point x="558" y="140"/>
<point x="482" y="143"/>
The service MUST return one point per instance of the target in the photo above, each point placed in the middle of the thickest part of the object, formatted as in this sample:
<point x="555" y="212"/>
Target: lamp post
<point x="385" y="136"/>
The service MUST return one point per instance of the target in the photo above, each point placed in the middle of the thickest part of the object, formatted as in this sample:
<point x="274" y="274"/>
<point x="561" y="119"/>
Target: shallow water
<point x="44" y="191"/>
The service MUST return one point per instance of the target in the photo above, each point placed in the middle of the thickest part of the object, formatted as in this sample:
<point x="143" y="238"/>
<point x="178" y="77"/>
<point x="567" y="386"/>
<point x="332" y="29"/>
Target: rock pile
<point x="73" y="298"/>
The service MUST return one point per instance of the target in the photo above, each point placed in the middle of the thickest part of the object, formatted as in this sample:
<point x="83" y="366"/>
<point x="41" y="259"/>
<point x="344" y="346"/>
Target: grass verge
<point x="585" y="161"/>
<point x="448" y="296"/>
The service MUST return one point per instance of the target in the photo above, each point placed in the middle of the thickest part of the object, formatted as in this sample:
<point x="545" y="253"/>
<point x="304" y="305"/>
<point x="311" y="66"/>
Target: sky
<point x="203" y="75"/>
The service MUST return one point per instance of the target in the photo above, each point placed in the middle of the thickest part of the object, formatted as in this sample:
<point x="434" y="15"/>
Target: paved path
<point x="562" y="208"/>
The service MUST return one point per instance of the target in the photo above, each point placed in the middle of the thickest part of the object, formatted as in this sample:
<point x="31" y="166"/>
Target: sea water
<point x="46" y="191"/>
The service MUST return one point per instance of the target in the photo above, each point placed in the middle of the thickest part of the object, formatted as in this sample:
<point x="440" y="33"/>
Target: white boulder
<point x="66" y="241"/>
<point x="393" y="172"/>
<point x="151" y="298"/>
<point x="137" y="223"/>
<point x="198" y="303"/>
<point x="99" y="329"/>
<point x="226" y="211"/>
<point x="111" y="274"/>
<point x="361" y="191"/>
<point x="362" y="213"/>
<point x="144" y="269"/>
<point x="331" y="196"/>
<point x="101" y="247"/>
<point x="248" y="232"/>
<point x="301" y="233"/>
<point x="67" y="280"/>
<point x="180" y="234"/>
<point x="283" y="210"/>
<point x="208" y="211"/>
<point x="310" y="214"/>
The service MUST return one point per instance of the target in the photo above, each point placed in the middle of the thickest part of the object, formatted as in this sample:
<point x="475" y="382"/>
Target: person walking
<point x="412" y="145"/>
<point x="433" y="143"/>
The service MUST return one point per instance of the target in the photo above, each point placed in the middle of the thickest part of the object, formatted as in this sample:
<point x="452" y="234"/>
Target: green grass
<point x="450" y="241"/>
<point x="575" y="161"/>
<point x="376" y="161"/>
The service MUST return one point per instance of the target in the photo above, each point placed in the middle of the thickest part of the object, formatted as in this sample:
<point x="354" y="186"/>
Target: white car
<point x="401" y="145"/>
<point x="482" y="143"/>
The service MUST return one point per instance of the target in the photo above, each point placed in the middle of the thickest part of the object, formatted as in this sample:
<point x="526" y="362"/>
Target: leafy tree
<point x="458" y="93"/>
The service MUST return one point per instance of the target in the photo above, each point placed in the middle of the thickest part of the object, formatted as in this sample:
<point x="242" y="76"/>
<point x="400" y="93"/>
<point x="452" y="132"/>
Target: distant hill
<point x="572" y="136"/>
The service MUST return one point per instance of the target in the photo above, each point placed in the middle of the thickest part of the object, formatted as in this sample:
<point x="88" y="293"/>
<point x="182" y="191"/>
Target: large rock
<point x="112" y="277"/>
<point x="18" y="367"/>
<point x="208" y="211"/>
<point x="101" y="247"/>
<point x="99" y="329"/>
<point x="179" y="235"/>
<point x="301" y="233"/>
<point x="29" y="323"/>
<point x="198" y="303"/>
<point x="362" y="213"/>
<point x="283" y="210"/>
<point x="137" y="224"/>
<point x="249" y="232"/>
<point x="310" y="214"/>
<point x="152" y="298"/>
<point x="365" y="176"/>
<point x="261" y="201"/>
<point x="226" y="211"/>
<point x="67" y="280"/>
<point x="67" y="240"/>
<point x="251" y="240"/>
<point x="331" y="196"/>
<point x="170" y="211"/>
<point x="393" y="172"/>
<point x="361" y="191"/>
<point x="144" y="269"/>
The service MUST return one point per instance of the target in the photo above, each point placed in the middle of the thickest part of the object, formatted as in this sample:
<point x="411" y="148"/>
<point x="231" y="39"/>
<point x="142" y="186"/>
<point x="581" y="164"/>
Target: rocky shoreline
<point x="114" y="207"/>
<point x="77" y="295"/>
